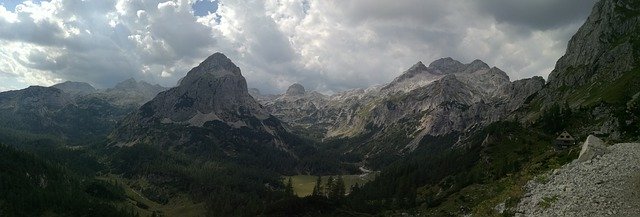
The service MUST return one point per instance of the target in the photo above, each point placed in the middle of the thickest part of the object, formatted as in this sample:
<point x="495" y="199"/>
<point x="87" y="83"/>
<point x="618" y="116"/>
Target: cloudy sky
<point x="326" y="45"/>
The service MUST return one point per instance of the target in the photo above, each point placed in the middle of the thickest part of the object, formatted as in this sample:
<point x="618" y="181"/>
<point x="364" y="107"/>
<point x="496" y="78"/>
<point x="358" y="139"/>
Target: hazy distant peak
<point x="75" y="88"/>
<point x="295" y="90"/>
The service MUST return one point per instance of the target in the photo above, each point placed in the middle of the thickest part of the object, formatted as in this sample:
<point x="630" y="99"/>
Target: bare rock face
<point x="214" y="87"/>
<point x="591" y="148"/>
<point x="602" y="51"/>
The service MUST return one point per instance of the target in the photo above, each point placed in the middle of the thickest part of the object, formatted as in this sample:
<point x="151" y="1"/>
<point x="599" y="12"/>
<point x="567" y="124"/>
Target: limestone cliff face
<point x="603" y="50"/>
<point x="599" y="74"/>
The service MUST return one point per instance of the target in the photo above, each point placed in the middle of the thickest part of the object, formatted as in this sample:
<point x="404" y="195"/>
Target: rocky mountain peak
<point x="214" y="90"/>
<point x="447" y="65"/>
<point x="216" y="65"/>
<point x="419" y="66"/>
<point x="476" y="65"/>
<point x="295" y="90"/>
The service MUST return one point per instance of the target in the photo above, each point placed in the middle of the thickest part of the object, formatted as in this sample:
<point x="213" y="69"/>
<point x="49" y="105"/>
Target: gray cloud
<point x="327" y="45"/>
<point x="538" y="14"/>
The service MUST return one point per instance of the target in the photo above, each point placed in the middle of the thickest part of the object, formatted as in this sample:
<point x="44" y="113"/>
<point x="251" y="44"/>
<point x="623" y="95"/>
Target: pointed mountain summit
<point x="213" y="90"/>
<point x="216" y="65"/>
<point x="419" y="66"/>
<point x="414" y="70"/>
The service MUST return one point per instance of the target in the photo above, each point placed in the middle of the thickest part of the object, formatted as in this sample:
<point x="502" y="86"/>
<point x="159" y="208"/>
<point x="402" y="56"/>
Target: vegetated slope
<point x="436" y="180"/>
<point x="31" y="186"/>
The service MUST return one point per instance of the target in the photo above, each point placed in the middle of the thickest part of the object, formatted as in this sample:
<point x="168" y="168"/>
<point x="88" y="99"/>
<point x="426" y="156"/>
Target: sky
<point x="326" y="45"/>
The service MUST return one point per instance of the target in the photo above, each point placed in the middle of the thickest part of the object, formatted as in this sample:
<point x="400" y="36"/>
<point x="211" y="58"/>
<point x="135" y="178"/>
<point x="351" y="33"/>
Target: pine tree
<point x="329" y="187"/>
<point x="317" y="189"/>
<point x="340" y="189"/>
<point x="337" y="190"/>
<point x="354" y="188"/>
<point x="289" y="187"/>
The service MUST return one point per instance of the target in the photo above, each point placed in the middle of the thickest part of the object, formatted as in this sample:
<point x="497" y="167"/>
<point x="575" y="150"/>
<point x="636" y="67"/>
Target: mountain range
<point x="447" y="139"/>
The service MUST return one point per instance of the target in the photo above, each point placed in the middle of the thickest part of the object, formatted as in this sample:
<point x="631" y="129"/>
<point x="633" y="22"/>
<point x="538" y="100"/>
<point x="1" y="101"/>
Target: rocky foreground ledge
<point x="603" y="181"/>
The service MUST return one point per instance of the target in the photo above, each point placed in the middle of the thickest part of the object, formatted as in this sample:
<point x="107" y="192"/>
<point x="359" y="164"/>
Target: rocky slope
<point x="602" y="185"/>
<point x="297" y="106"/>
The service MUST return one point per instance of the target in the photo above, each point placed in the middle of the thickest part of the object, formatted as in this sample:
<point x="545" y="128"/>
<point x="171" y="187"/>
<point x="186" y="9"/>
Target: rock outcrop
<point x="592" y="148"/>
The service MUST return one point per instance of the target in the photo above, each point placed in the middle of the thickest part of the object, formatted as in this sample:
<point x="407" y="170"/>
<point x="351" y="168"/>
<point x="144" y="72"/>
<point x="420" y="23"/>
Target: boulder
<point x="591" y="148"/>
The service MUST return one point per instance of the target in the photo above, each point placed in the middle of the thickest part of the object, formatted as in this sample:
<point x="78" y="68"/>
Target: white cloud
<point x="328" y="45"/>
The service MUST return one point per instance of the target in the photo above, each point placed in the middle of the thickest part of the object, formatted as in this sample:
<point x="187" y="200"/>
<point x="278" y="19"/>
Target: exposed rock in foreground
<point x="607" y="185"/>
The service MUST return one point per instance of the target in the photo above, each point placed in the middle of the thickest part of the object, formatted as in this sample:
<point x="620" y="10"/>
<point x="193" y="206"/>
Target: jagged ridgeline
<point x="380" y="124"/>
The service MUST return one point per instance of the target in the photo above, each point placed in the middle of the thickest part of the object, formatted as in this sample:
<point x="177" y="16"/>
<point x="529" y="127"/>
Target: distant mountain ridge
<point x="74" y="111"/>
<point x="443" y="98"/>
